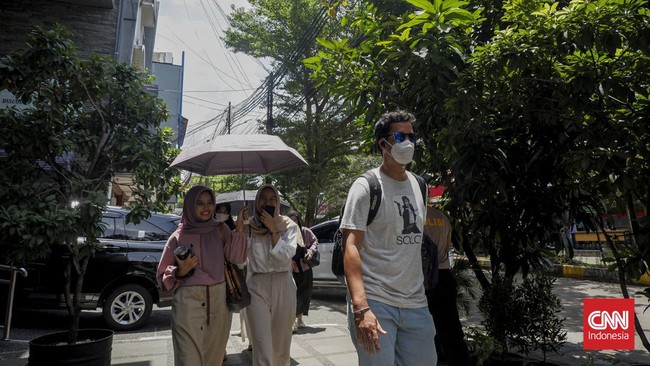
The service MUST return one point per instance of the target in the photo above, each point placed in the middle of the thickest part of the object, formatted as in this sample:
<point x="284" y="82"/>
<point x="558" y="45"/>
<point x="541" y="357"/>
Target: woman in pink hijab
<point x="200" y="319"/>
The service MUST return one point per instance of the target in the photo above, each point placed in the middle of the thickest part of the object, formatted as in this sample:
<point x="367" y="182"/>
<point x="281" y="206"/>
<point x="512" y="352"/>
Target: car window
<point x="112" y="228"/>
<point x="167" y="223"/>
<point x="326" y="232"/>
<point x="147" y="231"/>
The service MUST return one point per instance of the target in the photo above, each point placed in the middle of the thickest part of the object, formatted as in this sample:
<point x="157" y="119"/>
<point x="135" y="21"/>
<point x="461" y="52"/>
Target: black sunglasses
<point x="401" y="137"/>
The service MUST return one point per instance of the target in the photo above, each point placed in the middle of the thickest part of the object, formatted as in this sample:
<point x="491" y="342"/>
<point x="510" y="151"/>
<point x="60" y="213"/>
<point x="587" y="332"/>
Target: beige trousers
<point x="200" y="325"/>
<point x="271" y="315"/>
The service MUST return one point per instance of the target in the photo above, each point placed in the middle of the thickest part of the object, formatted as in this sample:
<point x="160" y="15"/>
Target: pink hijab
<point x="189" y="223"/>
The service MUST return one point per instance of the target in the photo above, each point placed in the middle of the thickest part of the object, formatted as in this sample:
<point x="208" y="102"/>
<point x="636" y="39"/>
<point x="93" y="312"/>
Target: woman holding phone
<point x="192" y="269"/>
<point x="271" y="245"/>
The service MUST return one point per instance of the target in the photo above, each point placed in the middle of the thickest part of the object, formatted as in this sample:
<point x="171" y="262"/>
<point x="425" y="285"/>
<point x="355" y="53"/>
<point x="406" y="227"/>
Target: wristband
<point x="361" y="311"/>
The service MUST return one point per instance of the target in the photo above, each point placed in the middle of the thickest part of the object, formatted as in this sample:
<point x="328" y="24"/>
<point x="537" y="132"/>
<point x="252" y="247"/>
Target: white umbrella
<point x="239" y="154"/>
<point x="236" y="200"/>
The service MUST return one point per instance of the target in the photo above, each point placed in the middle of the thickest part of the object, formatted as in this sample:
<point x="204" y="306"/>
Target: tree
<point x="550" y="118"/>
<point x="85" y="120"/>
<point x="308" y="118"/>
<point x="531" y="109"/>
<point x="408" y="57"/>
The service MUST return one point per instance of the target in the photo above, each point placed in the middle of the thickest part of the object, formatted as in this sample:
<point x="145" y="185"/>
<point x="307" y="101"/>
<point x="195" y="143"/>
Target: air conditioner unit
<point x="148" y="13"/>
<point x="138" y="58"/>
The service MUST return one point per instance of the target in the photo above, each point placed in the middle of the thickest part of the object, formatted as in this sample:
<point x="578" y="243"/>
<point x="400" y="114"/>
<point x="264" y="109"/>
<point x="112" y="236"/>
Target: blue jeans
<point x="409" y="340"/>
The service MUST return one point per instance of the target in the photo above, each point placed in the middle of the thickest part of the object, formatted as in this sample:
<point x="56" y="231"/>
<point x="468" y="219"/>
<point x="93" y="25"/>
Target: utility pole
<point x="229" y="110"/>
<point x="269" y="115"/>
<point x="269" y="106"/>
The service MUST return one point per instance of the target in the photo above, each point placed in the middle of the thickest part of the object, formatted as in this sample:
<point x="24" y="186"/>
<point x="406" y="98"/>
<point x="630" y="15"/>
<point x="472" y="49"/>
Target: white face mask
<point x="402" y="152"/>
<point x="221" y="217"/>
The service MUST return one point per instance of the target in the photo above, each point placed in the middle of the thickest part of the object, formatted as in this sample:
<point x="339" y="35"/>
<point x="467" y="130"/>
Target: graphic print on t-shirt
<point x="408" y="214"/>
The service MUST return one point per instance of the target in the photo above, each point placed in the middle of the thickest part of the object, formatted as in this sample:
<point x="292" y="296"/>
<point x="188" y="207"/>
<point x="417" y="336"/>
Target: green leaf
<point x="424" y="5"/>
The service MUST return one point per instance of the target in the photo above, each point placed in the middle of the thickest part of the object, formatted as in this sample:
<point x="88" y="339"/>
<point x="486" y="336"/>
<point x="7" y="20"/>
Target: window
<point x="325" y="233"/>
<point x="146" y="231"/>
<point x="167" y="223"/>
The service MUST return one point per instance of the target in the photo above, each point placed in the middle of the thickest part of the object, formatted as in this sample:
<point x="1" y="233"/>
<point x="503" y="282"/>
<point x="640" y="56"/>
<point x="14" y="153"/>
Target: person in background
<point x="387" y="308"/>
<point x="271" y="245"/>
<point x="222" y="214"/>
<point x="200" y="318"/>
<point x="441" y="299"/>
<point x="303" y="275"/>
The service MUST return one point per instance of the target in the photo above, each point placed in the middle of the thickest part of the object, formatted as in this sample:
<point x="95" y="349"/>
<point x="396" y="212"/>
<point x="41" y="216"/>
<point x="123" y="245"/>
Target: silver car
<point x="323" y="276"/>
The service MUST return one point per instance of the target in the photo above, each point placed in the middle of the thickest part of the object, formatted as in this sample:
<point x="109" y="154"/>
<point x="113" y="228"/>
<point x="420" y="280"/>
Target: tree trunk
<point x="634" y="227"/>
<point x="473" y="261"/>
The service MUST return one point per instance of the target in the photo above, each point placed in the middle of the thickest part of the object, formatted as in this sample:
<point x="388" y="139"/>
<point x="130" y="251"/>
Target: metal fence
<point x="13" y="272"/>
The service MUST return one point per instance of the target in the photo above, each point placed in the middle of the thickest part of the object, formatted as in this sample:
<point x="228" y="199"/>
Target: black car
<point x="120" y="279"/>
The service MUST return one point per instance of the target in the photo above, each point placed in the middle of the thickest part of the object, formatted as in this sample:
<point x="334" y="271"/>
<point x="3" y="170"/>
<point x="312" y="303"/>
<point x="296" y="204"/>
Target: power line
<point x="259" y="95"/>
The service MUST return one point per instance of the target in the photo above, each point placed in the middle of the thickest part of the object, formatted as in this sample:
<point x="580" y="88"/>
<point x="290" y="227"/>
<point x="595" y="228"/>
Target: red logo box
<point x="608" y="324"/>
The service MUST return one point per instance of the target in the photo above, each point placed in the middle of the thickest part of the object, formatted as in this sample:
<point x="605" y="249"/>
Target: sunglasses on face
<point x="401" y="137"/>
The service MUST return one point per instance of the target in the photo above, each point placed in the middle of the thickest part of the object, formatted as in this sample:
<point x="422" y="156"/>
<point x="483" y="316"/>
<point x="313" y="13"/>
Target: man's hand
<point x="368" y="330"/>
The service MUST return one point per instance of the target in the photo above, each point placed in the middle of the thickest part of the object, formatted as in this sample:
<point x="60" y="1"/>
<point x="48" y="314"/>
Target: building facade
<point x="122" y="29"/>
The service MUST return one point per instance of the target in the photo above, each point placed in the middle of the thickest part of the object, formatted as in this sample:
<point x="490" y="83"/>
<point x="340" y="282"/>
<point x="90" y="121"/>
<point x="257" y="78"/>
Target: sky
<point x="213" y="75"/>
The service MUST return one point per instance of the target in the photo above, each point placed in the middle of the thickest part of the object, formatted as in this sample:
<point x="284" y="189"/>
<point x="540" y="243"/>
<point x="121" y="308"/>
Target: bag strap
<point x="423" y="187"/>
<point x="375" y="194"/>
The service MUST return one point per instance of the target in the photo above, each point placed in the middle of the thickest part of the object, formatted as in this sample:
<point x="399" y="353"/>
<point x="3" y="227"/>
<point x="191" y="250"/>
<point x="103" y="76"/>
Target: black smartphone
<point x="270" y="210"/>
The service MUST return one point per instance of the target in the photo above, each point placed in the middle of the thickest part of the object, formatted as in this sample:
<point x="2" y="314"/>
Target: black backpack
<point x="429" y="252"/>
<point x="375" y="202"/>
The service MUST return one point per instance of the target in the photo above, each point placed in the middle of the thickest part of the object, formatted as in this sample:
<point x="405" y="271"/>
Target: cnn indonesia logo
<point x="608" y="324"/>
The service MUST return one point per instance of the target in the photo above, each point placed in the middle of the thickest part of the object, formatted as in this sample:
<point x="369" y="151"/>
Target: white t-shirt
<point x="265" y="258"/>
<point x="390" y="254"/>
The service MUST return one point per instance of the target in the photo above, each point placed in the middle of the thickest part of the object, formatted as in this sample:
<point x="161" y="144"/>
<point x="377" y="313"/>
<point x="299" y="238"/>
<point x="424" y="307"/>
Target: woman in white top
<point x="271" y="245"/>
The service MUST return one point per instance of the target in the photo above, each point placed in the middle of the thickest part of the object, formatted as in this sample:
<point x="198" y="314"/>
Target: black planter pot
<point x="509" y="359"/>
<point x="93" y="349"/>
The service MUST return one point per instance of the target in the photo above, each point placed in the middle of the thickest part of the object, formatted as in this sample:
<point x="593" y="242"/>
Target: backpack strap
<point x="423" y="187"/>
<point x="375" y="194"/>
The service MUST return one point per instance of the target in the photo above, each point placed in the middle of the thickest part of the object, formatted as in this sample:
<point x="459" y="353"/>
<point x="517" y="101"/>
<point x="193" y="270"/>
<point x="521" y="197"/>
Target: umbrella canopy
<point x="239" y="154"/>
<point x="236" y="200"/>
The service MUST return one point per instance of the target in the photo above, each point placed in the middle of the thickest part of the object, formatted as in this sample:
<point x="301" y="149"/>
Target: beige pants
<point x="271" y="315"/>
<point x="200" y="325"/>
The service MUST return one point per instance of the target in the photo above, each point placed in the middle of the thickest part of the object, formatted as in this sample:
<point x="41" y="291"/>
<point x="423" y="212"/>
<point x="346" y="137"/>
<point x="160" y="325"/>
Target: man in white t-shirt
<point x="388" y="317"/>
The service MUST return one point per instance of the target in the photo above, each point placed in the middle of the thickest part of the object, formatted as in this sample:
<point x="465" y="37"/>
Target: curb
<point x="584" y="273"/>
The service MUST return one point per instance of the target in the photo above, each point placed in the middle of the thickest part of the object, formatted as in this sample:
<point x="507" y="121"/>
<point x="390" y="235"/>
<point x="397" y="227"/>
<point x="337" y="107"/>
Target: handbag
<point x="237" y="295"/>
<point x="337" y="254"/>
<point x="314" y="261"/>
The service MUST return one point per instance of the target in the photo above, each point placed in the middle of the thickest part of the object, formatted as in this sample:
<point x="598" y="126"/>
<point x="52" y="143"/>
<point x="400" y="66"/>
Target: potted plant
<point x="481" y="345"/>
<point x="503" y="316"/>
<point x="521" y="316"/>
<point x="82" y="121"/>
<point x="541" y="326"/>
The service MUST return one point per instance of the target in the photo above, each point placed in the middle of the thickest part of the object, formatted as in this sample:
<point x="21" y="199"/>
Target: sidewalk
<point x="317" y="344"/>
<point x="326" y="340"/>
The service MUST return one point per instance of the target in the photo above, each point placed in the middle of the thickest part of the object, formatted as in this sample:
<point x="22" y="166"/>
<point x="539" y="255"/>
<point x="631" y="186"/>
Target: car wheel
<point x="127" y="307"/>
